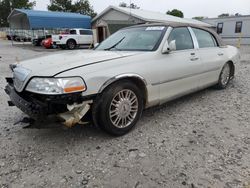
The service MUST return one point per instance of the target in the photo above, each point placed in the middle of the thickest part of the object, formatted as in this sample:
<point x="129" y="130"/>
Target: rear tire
<point x="118" y="108"/>
<point x="224" y="77"/>
<point x="71" y="44"/>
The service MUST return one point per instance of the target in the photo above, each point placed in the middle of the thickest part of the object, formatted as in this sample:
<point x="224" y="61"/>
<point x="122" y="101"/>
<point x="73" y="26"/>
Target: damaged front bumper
<point x="75" y="114"/>
<point x="69" y="107"/>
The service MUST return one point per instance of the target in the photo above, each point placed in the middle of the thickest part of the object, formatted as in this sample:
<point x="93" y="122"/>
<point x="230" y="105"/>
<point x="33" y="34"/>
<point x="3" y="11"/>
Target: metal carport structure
<point x="34" y="19"/>
<point x="35" y="25"/>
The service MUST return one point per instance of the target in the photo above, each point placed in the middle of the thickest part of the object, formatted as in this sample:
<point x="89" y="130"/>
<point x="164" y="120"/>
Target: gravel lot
<point x="200" y="140"/>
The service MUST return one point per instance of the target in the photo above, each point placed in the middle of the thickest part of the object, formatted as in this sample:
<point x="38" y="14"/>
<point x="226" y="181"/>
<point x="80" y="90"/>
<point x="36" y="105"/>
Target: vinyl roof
<point x="34" y="19"/>
<point x="151" y="16"/>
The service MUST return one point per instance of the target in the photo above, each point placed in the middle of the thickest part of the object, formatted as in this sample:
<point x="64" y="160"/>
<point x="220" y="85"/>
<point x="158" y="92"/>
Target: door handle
<point x="194" y="58"/>
<point x="220" y="54"/>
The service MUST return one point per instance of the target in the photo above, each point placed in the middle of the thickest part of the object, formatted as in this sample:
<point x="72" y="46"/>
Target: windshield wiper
<point x="115" y="44"/>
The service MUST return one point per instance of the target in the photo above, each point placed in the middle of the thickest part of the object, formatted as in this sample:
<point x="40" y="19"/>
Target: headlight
<point x="53" y="86"/>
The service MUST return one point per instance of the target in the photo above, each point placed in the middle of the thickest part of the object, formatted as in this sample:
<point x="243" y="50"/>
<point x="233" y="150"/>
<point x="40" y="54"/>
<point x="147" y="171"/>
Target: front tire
<point x="119" y="108"/>
<point x="224" y="77"/>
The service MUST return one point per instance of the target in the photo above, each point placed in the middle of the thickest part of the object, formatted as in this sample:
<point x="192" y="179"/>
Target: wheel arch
<point x="71" y="39"/>
<point x="138" y="80"/>
<point x="232" y="68"/>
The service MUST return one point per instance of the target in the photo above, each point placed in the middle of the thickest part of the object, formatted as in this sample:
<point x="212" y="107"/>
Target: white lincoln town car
<point x="135" y="68"/>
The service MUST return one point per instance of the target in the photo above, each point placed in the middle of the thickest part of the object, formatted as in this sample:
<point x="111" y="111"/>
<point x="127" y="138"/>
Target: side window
<point x="182" y="37"/>
<point x="205" y="39"/>
<point x="86" y="32"/>
<point x="219" y="28"/>
<point x="238" y="27"/>
<point x="72" y="32"/>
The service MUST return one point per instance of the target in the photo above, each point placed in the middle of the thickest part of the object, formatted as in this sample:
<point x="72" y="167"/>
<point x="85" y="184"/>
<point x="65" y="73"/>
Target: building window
<point x="219" y="28"/>
<point x="238" y="27"/>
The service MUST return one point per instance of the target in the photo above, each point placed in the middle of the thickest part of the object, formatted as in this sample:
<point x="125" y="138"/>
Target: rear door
<point x="179" y="68"/>
<point x="86" y="36"/>
<point x="212" y="57"/>
<point x="74" y="35"/>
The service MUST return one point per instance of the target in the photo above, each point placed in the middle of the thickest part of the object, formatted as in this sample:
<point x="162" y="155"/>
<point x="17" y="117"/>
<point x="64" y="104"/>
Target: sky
<point x="190" y="8"/>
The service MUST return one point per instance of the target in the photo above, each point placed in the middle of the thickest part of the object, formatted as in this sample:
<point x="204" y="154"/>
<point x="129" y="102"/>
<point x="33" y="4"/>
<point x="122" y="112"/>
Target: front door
<point x="100" y="34"/>
<point x="180" y="69"/>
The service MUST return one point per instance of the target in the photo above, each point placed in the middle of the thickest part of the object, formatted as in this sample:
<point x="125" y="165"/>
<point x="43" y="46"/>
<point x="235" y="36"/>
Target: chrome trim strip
<point x="115" y="78"/>
<point x="183" y="77"/>
<point x="195" y="41"/>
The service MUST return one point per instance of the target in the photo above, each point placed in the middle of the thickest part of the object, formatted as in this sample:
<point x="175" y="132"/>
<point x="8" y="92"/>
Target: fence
<point x="3" y="32"/>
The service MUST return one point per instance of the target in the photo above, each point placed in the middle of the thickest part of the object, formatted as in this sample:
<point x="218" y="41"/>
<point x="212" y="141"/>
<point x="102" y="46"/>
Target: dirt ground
<point x="200" y="140"/>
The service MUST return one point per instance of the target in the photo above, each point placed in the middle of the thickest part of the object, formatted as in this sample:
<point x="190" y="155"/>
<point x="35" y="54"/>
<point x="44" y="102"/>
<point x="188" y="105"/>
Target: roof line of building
<point x="226" y="17"/>
<point x="182" y="20"/>
<point x="115" y="8"/>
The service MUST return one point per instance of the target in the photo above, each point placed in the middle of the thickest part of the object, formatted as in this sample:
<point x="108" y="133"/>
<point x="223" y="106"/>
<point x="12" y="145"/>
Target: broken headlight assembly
<point x="56" y="86"/>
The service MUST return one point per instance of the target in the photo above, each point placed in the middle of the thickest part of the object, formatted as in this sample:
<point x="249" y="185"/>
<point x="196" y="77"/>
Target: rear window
<point x="86" y="32"/>
<point x="205" y="39"/>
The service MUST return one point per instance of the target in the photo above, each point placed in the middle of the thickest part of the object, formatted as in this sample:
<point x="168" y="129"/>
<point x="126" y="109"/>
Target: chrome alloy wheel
<point x="123" y="108"/>
<point x="225" y="75"/>
<point x="71" y="45"/>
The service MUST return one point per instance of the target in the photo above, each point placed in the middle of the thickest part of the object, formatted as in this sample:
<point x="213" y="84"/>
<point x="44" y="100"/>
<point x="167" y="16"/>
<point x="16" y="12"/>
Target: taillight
<point x="60" y="37"/>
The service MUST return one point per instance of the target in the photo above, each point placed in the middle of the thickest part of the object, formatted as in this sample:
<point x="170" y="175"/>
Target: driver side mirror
<point x="168" y="47"/>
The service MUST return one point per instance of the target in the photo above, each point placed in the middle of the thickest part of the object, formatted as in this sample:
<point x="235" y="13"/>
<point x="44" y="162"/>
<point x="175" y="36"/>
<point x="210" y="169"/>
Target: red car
<point x="47" y="43"/>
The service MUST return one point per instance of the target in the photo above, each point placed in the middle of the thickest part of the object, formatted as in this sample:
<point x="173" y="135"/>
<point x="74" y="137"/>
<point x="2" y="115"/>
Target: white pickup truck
<point x="74" y="38"/>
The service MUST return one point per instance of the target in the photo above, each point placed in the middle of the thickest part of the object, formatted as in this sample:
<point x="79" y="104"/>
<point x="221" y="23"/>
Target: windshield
<point x="134" y="39"/>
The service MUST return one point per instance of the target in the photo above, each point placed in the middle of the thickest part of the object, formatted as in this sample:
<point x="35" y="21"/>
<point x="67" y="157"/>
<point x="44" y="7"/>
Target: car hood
<point x="53" y="64"/>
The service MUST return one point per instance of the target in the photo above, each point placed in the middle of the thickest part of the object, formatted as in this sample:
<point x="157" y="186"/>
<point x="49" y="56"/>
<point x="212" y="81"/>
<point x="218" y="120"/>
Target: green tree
<point x="123" y="4"/>
<point x="198" y="18"/>
<point x="84" y="7"/>
<point x="80" y="6"/>
<point x="223" y="15"/>
<point x="176" y="12"/>
<point x="132" y="5"/>
<point x="6" y="6"/>
<point x="60" y="5"/>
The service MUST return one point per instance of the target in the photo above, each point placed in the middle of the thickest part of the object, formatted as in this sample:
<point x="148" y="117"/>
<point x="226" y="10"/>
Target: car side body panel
<point x="166" y="76"/>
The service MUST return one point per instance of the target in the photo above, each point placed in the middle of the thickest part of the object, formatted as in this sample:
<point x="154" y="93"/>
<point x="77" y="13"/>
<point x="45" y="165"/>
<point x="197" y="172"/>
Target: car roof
<point x="178" y="24"/>
<point x="78" y="29"/>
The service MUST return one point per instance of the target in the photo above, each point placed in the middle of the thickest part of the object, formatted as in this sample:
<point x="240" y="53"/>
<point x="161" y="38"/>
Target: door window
<point x="182" y="37"/>
<point x="205" y="39"/>
<point x="72" y="32"/>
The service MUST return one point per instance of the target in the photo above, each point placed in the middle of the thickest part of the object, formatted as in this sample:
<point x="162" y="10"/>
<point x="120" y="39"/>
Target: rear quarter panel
<point x="232" y="53"/>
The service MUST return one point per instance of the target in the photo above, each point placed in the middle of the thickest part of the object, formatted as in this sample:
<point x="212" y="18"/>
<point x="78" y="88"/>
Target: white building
<point x="232" y="29"/>
<point x="114" y="18"/>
